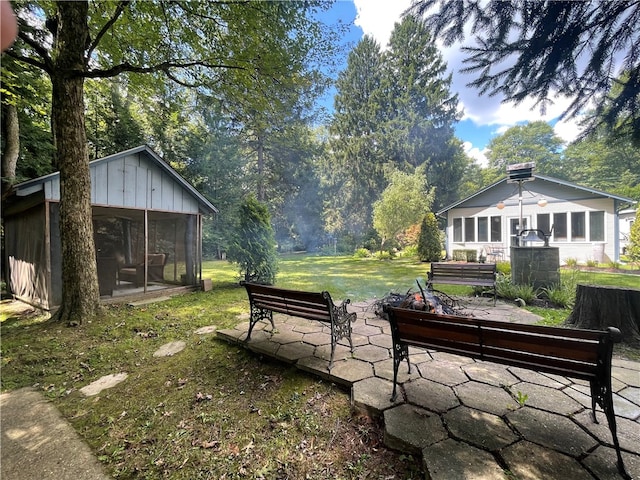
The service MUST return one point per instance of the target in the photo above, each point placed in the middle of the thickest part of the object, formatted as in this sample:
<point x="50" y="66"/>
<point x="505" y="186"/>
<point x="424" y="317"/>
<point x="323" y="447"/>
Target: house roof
<point x="30" y="186"/>
<point x="552" y="180"/>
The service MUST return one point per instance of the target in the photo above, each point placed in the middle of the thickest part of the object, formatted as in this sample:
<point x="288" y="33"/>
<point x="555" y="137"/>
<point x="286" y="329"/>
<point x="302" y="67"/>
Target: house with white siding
<point x="582" y="222"/>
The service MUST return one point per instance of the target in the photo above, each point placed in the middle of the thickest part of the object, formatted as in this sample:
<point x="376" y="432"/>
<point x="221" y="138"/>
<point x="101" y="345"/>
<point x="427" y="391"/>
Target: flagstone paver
<point x="461" y="414"/>
<point x="104" y="382"/>
<point x="169" y="349"/>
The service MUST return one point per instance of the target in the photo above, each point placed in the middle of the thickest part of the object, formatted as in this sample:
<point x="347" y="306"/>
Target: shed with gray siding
<point x="141" y="206"/>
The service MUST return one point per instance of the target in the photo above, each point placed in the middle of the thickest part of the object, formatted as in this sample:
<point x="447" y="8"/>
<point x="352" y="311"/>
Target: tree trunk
<point x="261" y="182"/>
<point x="11" y="147"/>
<point x="80" y="293"/>
<point x="598" y="307"/>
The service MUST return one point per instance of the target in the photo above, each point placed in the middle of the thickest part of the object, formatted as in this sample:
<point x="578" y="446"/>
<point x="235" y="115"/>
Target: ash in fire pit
<point x="431" y="301"/>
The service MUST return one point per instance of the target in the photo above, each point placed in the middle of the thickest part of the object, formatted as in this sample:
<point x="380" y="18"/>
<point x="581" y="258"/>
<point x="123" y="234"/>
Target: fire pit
<point x="429" y="301"/>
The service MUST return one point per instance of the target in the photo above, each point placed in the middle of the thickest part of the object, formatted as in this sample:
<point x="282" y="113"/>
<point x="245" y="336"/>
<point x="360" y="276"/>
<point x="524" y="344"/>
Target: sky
<point x="484" y="117"/>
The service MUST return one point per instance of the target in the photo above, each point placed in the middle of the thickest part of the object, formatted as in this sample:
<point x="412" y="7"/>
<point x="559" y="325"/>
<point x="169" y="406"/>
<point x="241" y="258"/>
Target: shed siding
<point x="132" y="181"/>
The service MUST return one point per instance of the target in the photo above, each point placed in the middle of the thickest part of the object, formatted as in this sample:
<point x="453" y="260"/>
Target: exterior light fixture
<point x="500" y="205"/>
<point x="542" y="202"/>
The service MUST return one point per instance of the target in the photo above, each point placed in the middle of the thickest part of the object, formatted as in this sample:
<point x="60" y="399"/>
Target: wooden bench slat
<point x="266" y="299"/>
<point x="574" y="353"/>
<point x="473" y="274"/>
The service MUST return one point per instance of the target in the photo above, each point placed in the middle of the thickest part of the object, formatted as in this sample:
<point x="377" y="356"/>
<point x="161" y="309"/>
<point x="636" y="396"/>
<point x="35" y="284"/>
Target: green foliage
<point x="534" y="142"/>
<point x="564" y="294"/>
<point x="571" y="262"/>
<point x="522" y="398"/>
<point x="361" y="253"/>
<point x="464" y="255"/>
<point x="391" y="107"/>
<point x="633" y="251"/>
<point x="506" y="289"/>
<point x="516" y="54"/>
<point x="604" y="163"/>
<point x="383" y="255"/>
<point x="503" y="267"/>
<point x="430" y="239"/>
<point x="402" y="204"/>
<point x="253" y="247"/>
<point x="409" y="251"/>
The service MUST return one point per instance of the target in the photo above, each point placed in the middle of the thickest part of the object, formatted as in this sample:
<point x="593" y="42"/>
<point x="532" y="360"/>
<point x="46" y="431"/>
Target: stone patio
<point x="467" y="419"/>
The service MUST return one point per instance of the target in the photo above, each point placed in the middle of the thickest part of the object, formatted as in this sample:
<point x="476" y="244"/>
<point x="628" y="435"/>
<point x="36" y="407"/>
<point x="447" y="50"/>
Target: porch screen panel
<point x="560" y="226"/>
<point x="457" y="230"/>
<point x="483" y="229"/>
<point x="578" y="227"/>
<point x="496" y="229"/>
<point x="596" y="226"/>
<point x="469" y="230"/>
<point x="543" y="222"/>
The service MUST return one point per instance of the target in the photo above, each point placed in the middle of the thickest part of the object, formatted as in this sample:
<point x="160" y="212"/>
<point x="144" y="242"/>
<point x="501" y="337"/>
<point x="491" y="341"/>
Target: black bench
<point x="473" y="274"/>
<point x="575" y="353"/>
<point x="266" y="299"/>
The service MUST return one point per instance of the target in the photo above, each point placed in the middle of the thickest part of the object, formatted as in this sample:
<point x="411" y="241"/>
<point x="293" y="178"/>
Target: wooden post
<point x="598" y="307"/>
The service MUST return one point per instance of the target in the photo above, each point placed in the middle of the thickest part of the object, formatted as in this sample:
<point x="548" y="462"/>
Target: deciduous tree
<point x="190" y="43"/>
<point x="402" y="204"/>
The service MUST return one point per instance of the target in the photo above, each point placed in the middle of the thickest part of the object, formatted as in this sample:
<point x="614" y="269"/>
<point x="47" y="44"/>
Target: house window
<point x="496" y="229"/>
<point x="578" y="226"/>
<point x="596" y="226"/>
<point x="483" y="229"/>
<point x="559" y="226"/>
<point x="469" y="231"/>
<point x="457" y="230"/>
<point x="543" y="222"/>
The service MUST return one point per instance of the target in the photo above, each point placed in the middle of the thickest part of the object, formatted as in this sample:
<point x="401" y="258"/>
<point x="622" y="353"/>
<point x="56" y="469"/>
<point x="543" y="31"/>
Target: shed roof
<point x="550" y="180"/>
<point x="49" y="184"/>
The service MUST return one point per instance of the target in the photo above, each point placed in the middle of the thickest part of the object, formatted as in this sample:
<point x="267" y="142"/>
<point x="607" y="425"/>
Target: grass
<point x="214" y="410"/>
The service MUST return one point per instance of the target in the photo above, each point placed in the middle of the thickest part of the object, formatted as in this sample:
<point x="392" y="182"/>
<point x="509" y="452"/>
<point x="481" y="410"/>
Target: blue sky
<point x="484" y="117"/>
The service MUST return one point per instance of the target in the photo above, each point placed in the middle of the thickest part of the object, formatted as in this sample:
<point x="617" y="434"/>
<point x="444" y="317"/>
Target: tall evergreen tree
<point x="356" y="166"/>
<point x="539" y="49"/>
<point x="419" y="110"/>
<point x="253" y="246"/>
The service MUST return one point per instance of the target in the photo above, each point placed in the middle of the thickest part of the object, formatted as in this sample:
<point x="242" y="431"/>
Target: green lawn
<point x="214" y="410"/>
<point x="363" y="279"/>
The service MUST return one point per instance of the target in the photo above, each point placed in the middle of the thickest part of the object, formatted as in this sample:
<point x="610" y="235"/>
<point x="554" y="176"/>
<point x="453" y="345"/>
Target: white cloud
<point x="377" y="19"/>
<point x="480" y="156"/>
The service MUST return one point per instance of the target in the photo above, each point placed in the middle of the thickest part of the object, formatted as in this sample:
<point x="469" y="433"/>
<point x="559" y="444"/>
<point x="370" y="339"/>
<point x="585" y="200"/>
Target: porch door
<point x="514" y="229"/>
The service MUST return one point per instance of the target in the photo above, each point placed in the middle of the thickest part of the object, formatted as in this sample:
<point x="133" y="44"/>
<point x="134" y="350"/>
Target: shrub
<point x="506" y="289"/>
<point x="466" y="255"/>
<point x="571" y="262"/>
<point x="253" y="246"/>
<point x="383" y="255"/>
<point x="430" y="239"/>
<point x="591" y="262"/>
<point x="410" y="251"/>
<point x="564" y="294"/>
<point x="614" y="265"/>
<point x="361" y="253"/>
<point x="503" y="267"/>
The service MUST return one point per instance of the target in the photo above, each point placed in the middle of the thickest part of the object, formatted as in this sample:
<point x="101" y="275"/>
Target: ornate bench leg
<point x="341" y="328"/>
<point x="258" y="314"/>
<point x="400" y="352"/>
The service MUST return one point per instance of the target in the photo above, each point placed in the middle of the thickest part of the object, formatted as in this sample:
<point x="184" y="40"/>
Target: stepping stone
<point x="169" y="349"/>
<point x="206" y="330"/>
<point x="102" y="383"/>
